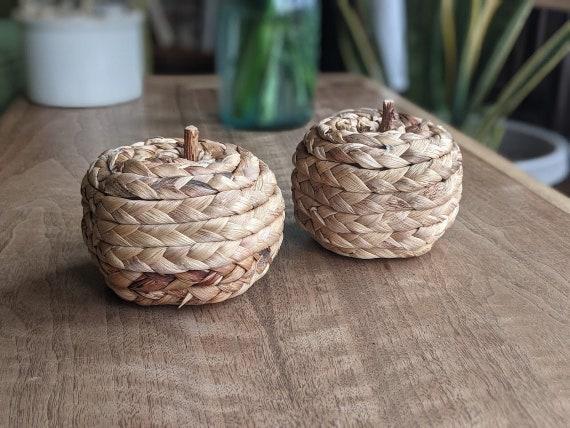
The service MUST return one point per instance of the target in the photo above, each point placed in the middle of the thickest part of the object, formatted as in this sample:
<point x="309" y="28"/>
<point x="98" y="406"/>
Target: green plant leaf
<point x="424" y="58"/>
<point x="503" y="47"/>
<point x="528" y="77"/>
<point x="479" y="21"/>
<point x="447" y="18"/>
<point x="268" y="105"/>
<point x="435" y="69"/>
<point x="361" y="40"/>
<point x="348" y="53"/>
<point x="256" y="41"/>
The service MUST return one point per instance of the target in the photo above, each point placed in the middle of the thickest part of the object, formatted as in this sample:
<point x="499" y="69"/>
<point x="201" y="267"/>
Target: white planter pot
<point x="541" y="153"/>
<point x="84" y="61"/>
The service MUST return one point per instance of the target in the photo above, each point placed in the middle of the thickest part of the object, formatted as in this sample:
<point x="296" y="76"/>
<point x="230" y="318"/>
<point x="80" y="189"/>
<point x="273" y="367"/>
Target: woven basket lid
<point x="172" y="168"/>
<point x="374" y="139"/>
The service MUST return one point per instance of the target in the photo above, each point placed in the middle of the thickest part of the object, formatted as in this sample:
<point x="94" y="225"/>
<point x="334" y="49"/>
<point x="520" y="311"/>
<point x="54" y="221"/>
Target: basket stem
<point x="388" y="115"/>
<point x="191" y="145"/>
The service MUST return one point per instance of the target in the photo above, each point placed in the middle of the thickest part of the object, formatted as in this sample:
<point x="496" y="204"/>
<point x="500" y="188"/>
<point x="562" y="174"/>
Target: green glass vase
<point x="267" y="55"/>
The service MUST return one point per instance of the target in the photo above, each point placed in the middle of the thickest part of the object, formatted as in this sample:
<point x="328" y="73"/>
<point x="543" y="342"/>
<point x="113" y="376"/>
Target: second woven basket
<point x="376" y="184"/>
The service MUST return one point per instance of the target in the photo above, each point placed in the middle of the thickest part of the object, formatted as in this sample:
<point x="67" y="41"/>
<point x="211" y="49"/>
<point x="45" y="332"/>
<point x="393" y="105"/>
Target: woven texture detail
<point x="376" y="184"/>
<point x="168" y="230"/>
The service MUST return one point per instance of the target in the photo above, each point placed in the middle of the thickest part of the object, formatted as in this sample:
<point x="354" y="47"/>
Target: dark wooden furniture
<point x="474" y="332"/>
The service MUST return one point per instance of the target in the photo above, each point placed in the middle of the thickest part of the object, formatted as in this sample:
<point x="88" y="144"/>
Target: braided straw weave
<point x="178" y="222"/>
<point x="370" y="184"/>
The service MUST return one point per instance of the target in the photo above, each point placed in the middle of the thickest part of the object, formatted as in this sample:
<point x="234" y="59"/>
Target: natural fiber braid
<point x="389" y="221"/>
<point x="370" y="184"/>
<point x="195" y="287"/>
<point x="135" y="172"/>
<point x="409" y="243"/>
<point x="377" y="203"/>
<point x="391" y="240"/>
<point x="173" y="221"/>
<point x="354" y="179"/>
<point x="213" y="230"/>
<point x="353" y="139"/>
<point x="129" y="211"/>
<point x="180" y="258"/>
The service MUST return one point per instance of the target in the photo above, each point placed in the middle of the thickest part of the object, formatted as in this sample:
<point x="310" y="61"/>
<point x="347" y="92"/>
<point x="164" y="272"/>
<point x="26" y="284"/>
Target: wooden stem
<point x="388" y="115"/>
<point x="191" y="145"/>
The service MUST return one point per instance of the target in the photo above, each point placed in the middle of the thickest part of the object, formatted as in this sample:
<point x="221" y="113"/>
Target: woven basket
<point x="371" y="184"/>
<point x="178" y="222"/>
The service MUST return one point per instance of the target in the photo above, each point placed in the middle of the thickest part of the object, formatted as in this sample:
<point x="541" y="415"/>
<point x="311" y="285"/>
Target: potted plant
<point x="456" y="50"/>
<point x="81" y="54"/>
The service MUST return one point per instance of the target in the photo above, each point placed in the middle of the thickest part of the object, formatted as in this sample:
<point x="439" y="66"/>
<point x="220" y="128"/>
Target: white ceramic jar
<point x="84" y="60"/>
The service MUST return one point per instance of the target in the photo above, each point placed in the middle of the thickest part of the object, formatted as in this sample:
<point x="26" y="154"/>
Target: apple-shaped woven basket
<point x="376" y="184"/>
<point x="181" y="221"/>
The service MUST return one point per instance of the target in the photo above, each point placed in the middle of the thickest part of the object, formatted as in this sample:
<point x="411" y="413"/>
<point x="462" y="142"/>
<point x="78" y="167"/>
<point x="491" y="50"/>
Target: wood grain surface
<point x="473" y="333"/>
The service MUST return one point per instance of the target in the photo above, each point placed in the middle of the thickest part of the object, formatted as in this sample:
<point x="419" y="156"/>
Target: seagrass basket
<point x="181" y="221"/>
<point x="376" y="184"/>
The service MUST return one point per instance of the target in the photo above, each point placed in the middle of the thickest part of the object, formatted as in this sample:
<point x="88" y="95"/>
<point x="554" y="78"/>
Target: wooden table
<point x="475" y="332"/>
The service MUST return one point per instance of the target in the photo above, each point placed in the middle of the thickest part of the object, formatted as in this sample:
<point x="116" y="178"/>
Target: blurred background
<point x="497" y="70"/>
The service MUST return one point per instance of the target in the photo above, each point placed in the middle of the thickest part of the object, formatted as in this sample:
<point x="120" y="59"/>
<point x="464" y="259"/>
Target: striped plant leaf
<point x="481" y="16"/>
<point x="502" y="47"/>
<point x="448" y="33"/>
<point x="528" y="77"/>
<point x="361" y="40"/>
